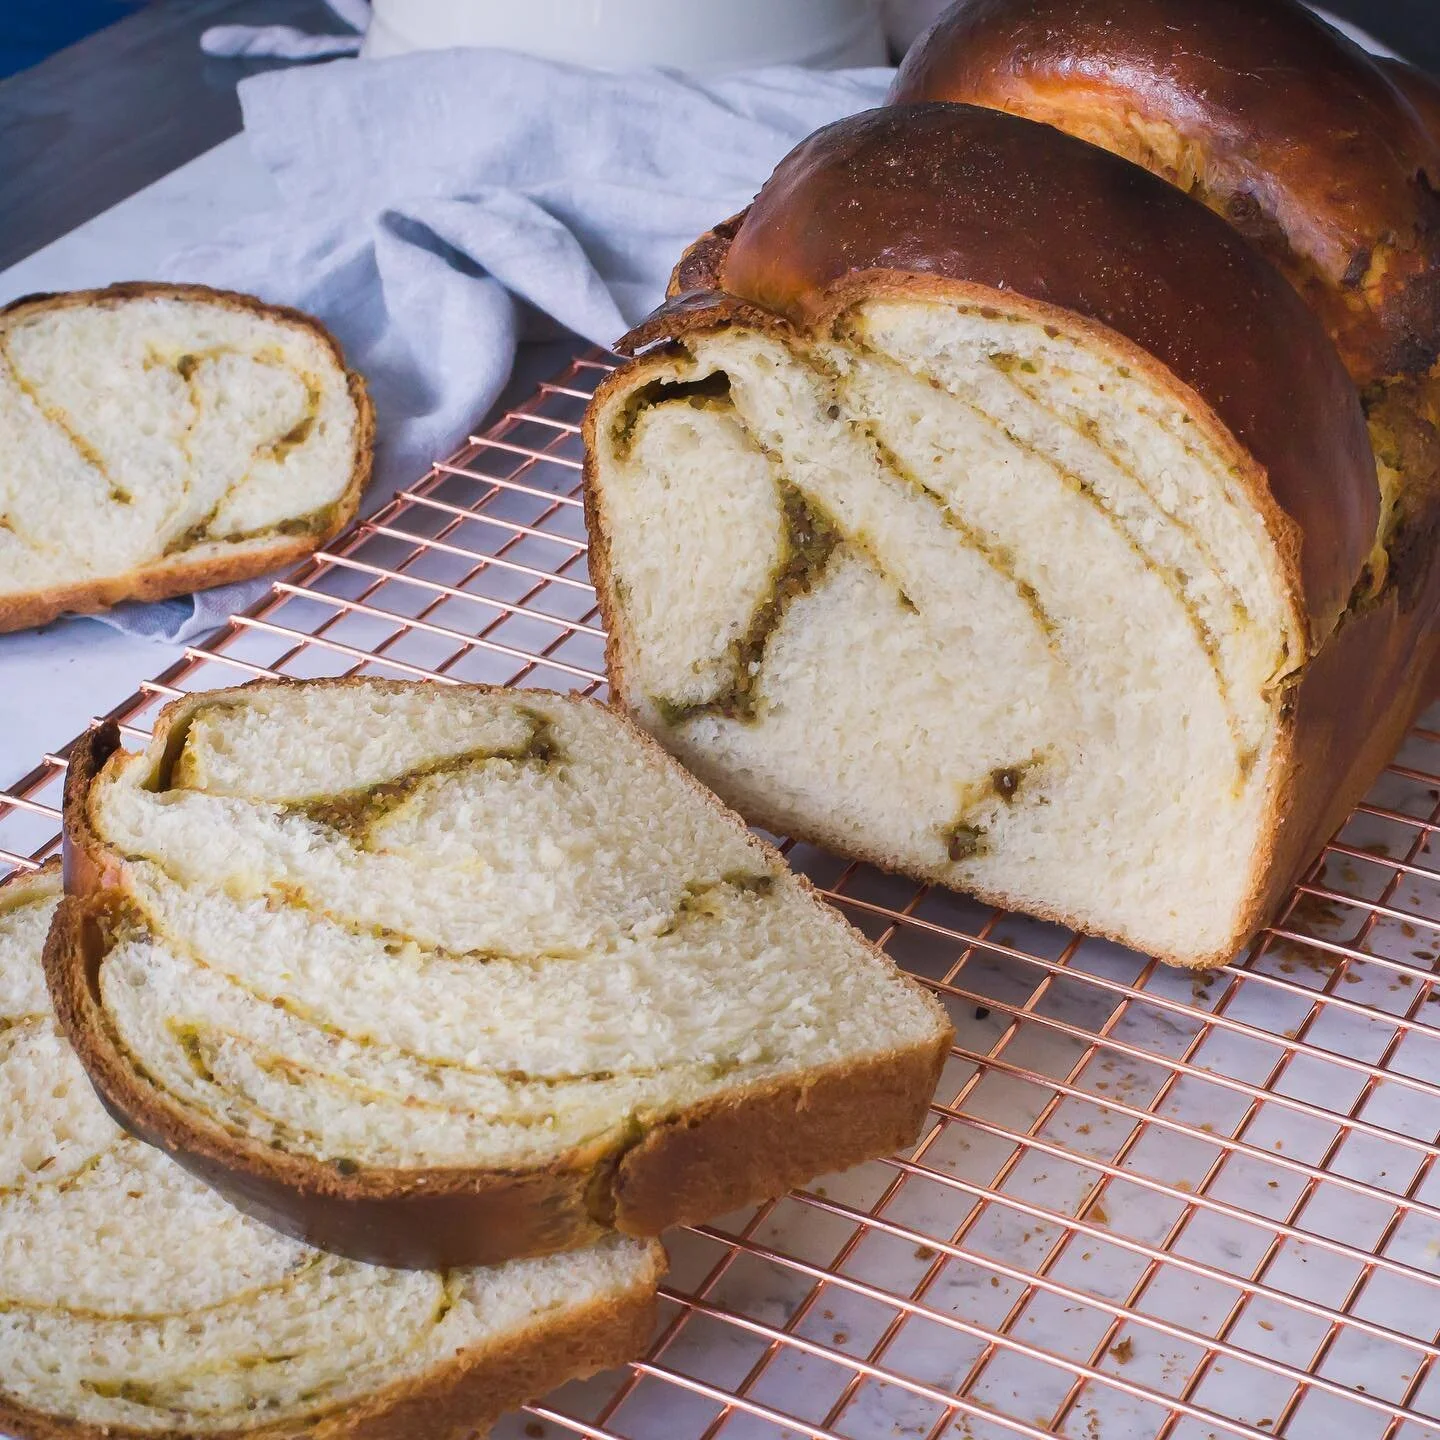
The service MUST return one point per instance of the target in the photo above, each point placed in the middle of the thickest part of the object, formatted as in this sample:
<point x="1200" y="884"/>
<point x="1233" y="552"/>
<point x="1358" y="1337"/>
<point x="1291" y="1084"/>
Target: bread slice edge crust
<point x="638" y="1179"/>
<point x="216" y="563"/>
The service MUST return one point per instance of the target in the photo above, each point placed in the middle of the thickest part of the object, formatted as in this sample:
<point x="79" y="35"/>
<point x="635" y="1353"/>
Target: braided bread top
<point x="1307" y="145"/>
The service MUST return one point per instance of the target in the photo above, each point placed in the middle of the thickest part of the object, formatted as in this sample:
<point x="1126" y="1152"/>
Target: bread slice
<point x="434" y="975"/>
<point x="134" y="1301"/>
<point x="1009" y="530"/>
<point x="156" y="439"/>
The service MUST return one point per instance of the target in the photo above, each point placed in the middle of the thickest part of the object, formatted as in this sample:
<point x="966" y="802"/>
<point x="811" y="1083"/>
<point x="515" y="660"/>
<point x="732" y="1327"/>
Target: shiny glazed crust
<point x="1257" y="108"/>
<point x="682" y="1168"/>
<point x="1334" y="175"/>
<point x="1419" y="89"/>
<point x="218" y="563"/>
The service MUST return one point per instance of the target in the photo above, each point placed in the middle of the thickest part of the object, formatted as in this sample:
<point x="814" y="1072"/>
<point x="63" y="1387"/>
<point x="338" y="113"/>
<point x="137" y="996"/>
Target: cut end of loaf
<point x="162" y="438"/>
<point x="964" y="586"/>
<point x="440" y="975"/>
<point x="135" y="1301"/>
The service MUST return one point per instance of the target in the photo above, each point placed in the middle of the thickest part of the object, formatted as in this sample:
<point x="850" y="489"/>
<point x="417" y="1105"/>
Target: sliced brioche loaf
<point x="1012" y="529"/>
<point x="430" y="975"/>
<point x="135" y="1301"/>
<point x="156" y="439"/>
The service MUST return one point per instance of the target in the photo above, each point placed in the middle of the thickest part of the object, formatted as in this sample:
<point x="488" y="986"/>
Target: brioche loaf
<point x="156" y="439"/>
<point x="430" y="976"/>
<point x="1011" y="529"/>
<point x="136" y="1302"/>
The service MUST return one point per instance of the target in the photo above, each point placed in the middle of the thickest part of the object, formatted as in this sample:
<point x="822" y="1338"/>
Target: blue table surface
<point x="32" y="29"/>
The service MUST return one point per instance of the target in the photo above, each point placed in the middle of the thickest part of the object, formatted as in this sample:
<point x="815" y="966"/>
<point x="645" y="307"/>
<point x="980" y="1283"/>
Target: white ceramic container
<point x="696" y="35"/>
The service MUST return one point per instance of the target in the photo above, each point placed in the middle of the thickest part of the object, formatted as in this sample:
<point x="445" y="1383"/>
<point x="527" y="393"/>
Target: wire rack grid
<point x="1148" y="1204"/>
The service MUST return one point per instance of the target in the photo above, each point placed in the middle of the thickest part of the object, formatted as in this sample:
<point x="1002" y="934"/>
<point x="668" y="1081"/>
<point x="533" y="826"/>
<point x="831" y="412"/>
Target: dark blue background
<point x="31" y="29"/>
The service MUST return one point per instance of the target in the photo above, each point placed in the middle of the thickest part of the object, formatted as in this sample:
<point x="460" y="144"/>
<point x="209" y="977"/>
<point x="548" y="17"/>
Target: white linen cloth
<point x="441" y="206"/>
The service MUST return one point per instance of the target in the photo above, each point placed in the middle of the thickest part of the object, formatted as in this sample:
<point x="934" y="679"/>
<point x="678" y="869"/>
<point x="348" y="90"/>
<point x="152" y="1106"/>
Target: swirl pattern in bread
<point x="437" y="975"/>
<point x="157" y="438"/>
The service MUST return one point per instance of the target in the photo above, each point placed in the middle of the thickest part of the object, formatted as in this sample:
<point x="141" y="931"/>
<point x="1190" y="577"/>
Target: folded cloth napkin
<point x="285" y="42"/>
<point x="438" y="206"/>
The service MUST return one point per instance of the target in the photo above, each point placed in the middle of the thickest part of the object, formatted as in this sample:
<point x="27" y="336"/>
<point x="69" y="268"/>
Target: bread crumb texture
<point x="136" y="429"/>
<point x="132" y="1296"/>
<point x="406" y="926"/>
<point x="954" y="590"/>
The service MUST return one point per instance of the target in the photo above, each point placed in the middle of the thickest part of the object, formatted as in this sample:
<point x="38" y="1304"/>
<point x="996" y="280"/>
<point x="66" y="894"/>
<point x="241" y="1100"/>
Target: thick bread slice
<point x="135" y="1302"/>
<point x="1009" y="530"/>
<point x="430" y="975"/>
<point x="156" y="439"/>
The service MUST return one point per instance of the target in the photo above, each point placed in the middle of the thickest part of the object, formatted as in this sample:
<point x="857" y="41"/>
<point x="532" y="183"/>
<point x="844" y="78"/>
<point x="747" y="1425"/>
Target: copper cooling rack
<point x="1148" y="1203"/>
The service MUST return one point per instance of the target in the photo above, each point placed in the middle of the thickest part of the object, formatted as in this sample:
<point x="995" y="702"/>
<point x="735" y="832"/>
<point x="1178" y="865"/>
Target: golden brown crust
<point x="217" y="563"/>
<point x="726" y="1152"/>
<point x="472" y="1397"/>
<point x="432" y="1219"/>
<point x="1420" y="89"/>
<point x="1351" y="709"/>
<point x="1256" y="107"/>
<point x="699" y="267"/>
<point x="691" y="312"/>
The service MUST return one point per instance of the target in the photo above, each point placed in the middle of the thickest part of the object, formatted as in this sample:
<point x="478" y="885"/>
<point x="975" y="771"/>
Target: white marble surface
<point x="52" y="680"/>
